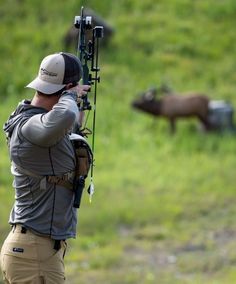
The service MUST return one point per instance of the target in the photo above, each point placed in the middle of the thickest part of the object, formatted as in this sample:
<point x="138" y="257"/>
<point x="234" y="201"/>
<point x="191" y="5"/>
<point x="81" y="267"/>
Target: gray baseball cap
<point x="55" y="71"/>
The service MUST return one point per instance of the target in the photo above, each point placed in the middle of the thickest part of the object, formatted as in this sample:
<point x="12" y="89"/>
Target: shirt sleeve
<point x="48" y="129"/>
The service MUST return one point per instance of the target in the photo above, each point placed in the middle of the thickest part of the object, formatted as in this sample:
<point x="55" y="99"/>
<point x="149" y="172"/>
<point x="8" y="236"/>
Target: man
<point x="43" y="164"/>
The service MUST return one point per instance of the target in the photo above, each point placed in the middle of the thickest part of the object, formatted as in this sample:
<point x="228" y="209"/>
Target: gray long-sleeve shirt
<point x="40" y="144"/>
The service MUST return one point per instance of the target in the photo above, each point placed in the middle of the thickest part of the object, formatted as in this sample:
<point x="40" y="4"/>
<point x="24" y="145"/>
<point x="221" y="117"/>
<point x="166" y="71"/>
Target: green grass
<point x="164" y="206"/>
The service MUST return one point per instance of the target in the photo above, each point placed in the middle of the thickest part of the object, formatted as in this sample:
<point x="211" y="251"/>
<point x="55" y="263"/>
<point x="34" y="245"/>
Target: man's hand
<point x="81" y="91"/>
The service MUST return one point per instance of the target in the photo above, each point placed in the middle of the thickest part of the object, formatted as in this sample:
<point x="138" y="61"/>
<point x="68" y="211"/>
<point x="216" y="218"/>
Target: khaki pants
<point x="27" y="258"/>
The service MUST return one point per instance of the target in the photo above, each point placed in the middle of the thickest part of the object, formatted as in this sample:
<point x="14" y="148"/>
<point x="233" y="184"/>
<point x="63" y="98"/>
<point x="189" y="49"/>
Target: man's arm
<point x="47" y="129"/>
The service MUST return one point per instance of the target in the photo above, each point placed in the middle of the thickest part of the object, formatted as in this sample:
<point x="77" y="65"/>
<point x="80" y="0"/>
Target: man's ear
<point x="68" y="86"/>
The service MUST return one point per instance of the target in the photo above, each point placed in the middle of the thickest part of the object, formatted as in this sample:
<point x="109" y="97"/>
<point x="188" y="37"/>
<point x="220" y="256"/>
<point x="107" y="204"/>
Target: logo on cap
<point x="44" y="71"/>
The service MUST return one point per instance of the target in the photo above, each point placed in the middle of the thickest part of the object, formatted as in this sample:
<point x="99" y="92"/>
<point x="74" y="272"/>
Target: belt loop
<point x="13" y="228"/>
<point x="43" y="183"/>
<point x="65" y="248"/>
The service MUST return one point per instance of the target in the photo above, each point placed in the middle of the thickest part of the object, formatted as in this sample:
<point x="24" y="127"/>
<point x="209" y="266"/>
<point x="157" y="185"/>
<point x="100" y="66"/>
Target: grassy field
<point x="164" y="207"/>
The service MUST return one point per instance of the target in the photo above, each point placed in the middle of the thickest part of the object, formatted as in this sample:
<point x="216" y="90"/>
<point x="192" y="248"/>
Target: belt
<point x="23" y="230"/>
<point x="63" y="180"/>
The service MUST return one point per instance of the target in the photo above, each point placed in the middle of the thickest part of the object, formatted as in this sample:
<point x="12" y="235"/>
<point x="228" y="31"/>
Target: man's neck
<point x="43" y="101"/>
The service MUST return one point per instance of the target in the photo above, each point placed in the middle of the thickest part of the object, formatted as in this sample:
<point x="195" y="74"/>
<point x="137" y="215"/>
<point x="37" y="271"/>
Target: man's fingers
<point x="81" y="90"/>
<point x="86" y="87"/>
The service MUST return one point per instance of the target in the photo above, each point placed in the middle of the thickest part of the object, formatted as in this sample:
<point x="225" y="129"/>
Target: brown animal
<point x="71" y="37"/>
<point x="174" y="106"/>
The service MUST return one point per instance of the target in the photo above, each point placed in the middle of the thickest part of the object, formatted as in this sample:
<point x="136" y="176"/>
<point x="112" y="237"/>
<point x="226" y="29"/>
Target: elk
<point x="174" y="106"/>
